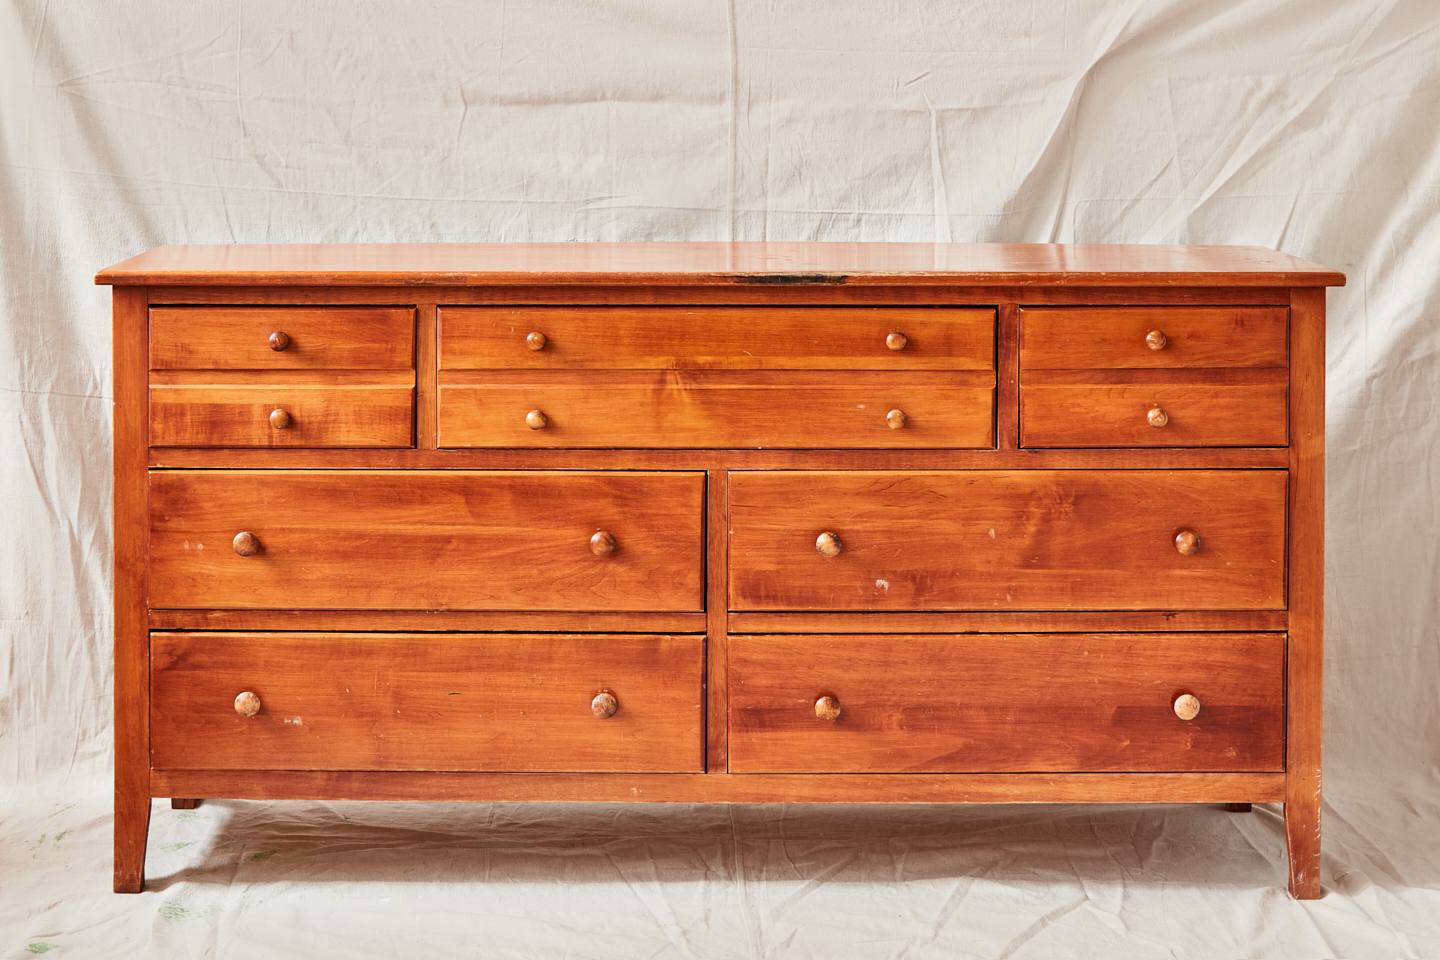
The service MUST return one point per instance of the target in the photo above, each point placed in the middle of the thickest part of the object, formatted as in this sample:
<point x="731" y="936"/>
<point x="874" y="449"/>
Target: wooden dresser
<point x="720" y="523"/>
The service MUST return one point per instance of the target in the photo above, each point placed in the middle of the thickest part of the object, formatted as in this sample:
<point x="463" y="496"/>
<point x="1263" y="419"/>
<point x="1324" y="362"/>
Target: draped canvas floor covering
<point x="1312" y="126"/>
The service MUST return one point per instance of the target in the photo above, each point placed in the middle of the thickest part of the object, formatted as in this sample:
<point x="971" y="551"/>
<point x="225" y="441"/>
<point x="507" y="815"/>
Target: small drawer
<point x="1008" y="540"/>
<point x="1087" y="338"/>
<point x="426" y="540"/>
<point x="690" y="410"/>
<point x="1000" y="704"/>
<point x="734" y="338"/>
<point x="1154" y="414"/>
<point x="375" y="701"/>
<point x="282" y="338"/>
<point x="281" y="414"/>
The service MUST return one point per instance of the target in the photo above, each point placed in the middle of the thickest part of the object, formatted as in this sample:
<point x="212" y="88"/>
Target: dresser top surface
<point x="718" y="264"/>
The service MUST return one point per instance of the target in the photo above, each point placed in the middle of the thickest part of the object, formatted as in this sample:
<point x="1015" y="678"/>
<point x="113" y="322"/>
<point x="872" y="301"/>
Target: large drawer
<point x="426" y="540"/>
<point x="977" y="703"/>
<point x="750" y="338"/>
<point x="1008" y="540"/>
<point x="688" y="410"/>
<point x="282" y="338"/>
<point x="426" y="702"/>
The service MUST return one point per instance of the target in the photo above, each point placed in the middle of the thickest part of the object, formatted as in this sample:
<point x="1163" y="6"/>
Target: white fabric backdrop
<point x="1312" y="126"/>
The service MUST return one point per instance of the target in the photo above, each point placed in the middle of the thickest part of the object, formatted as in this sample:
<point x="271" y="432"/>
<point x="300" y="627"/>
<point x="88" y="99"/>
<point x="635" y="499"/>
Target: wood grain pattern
<point x="1058" y="702"/>
<point x="317" y="416"/>
<point x="1054" y="415"/>
<point x="399" y="702"/>
<point x="449" y="540"/>
<point x="425" y="364"/>
<point x="1008" y="621"/>
<point x="717" y="639"/>
<point x="679" y="410"/>
<point x="132" y="648"/>
<point x="1068" y="338"/>
<point x="750" y="788"/>
<point x="724" y="338"/>
<point x="994" y="540"/>
<point x="419" y="621"/>
<point x="768" y="264"/>
<point x="1306" y="660"/>
<point x="238" y="338"/>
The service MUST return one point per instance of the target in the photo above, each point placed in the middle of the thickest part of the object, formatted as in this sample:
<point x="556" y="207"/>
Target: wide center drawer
<point x="1008" y="540"/>
<point x="426" y="702"/>
<point x="426" y="540"/>
<point x="989" y="704"/>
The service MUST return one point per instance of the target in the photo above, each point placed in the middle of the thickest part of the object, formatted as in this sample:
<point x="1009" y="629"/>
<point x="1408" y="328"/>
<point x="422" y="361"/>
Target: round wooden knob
<point x="896" y="419"/>
<point x="602" y="544"/>
<point x="827" y="708"/>
<point x="1156" y="340"/>
<point x="1157" y="417"/>
<point x="247" y="704"/>
<point x="604" y="705"/>
<point x="829" y="544"/>
<point x="896" y="341"/>
<point x="535" y="420"/>
<point x="246" y="544"/>
<point x="1187" y="707"/>
<point x="279" y="419"/>
<point x="536" y="341"/>
<point x="1187" y="542"/>
<point x="279" y="341"/>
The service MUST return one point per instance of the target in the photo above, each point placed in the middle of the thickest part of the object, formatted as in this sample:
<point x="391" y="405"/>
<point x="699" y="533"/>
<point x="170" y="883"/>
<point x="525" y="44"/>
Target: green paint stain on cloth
<point x="42" y="947"/>
<point x="172" y="912"/>
<point x="172" y="847"/>
<point x="260" y="857"/>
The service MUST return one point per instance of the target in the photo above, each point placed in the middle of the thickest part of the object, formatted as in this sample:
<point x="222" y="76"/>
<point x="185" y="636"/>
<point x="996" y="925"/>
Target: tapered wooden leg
<point x="176" y="803"/>
<point x="132" y="825"/>
<point x="1237" y="807"/>
<point x="1302" y="840"/>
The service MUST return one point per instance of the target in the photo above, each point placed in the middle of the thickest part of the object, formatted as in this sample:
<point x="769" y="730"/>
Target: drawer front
<point x="308" y="416"/>
<point x="983" y="704"/>
<point x="750" y="338"/>
<point x="1153" y="415"/>
<point x="425" y="702"/>
<point x="1077" y="338"/>
<point x="439" y="540"/>
<point x="314" y="338"/>
<point x="683" y="411"/>
<point x="1008" y="540"/>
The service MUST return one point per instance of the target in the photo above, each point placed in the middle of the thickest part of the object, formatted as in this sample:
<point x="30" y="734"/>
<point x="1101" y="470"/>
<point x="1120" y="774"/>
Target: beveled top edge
<point x="718" y="264"/>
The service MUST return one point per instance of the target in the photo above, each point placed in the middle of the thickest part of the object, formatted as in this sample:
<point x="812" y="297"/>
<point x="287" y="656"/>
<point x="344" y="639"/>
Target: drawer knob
<point x="896" y="419"/>
<point x="247" y="704"/>
<point x="279" y="419"/>
<point x="604" y="705"/>
<point x="829" y="544"/>
<point x="602" y="544"/>
<point x="1156" y="340"/>
<point x="279" y="341"/>
<point x="1187" y="542"/>
<point x="535" y="420"/>
<point x="247" y="544"/>
<point x="1187" y="707"/>
<point x="827" y="708"/>
<point x="1157" y="417"/>
<point x="896" y="341"/>
<point x="536" y="341"/>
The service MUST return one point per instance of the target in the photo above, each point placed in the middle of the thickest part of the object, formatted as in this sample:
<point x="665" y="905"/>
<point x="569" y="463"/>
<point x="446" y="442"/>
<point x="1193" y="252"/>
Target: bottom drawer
<point x="982" y="704"/>
<point x="354" y="701"/>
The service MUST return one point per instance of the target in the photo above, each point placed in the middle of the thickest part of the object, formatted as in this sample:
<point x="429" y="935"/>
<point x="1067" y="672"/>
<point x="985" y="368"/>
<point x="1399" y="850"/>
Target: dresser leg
<point x="177" y="803"/>
<point x="132" y="826"/>
<point x="1237" y="807"/>
<point x="1302" y="839"/>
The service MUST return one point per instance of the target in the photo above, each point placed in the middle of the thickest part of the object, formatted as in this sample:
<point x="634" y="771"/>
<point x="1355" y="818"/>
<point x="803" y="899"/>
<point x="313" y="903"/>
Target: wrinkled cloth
<point x="1305" y="125"/>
